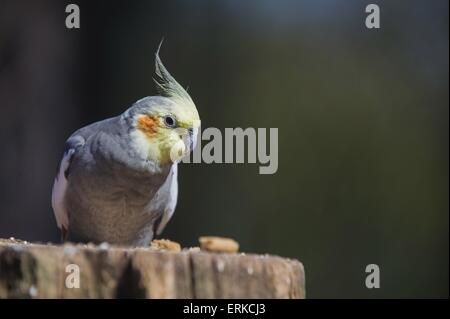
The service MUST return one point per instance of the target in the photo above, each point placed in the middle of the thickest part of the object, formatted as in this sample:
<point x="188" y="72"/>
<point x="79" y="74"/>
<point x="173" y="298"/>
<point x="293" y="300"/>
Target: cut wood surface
<point x="29" y="270"/>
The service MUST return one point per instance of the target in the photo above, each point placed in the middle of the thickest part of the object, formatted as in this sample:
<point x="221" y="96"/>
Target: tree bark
<point x="42" y="271"/>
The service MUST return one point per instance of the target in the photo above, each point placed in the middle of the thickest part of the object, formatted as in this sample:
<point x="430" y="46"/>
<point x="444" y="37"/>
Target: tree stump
<point x="43" y="270"/>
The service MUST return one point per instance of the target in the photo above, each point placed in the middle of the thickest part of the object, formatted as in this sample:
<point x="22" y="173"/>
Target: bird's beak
<point x="193" y="132"/>
<point x="191" y="139"/>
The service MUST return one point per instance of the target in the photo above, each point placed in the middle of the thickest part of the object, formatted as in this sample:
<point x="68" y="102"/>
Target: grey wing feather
<point x="165" y="200"/>
<point x="61" y="181"/>
<point x="72" y="147"/>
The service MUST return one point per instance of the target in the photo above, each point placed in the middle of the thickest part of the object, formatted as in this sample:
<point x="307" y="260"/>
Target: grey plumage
<point x="108" y="188"/>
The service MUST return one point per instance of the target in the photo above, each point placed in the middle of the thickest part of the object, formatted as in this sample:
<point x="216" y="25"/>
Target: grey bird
<point x="117" y="180"/>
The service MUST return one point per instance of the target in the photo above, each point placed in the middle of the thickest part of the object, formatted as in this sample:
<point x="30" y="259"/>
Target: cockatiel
<point x="117" y="181"/>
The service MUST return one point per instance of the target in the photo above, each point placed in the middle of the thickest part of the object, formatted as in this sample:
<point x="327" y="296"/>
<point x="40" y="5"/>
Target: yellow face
<point x="169" y="133"/>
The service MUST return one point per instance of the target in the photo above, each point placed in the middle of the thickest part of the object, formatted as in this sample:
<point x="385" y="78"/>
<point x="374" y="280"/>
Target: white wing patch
<point x="59" y="192"/>
<point x="172" y="200"/>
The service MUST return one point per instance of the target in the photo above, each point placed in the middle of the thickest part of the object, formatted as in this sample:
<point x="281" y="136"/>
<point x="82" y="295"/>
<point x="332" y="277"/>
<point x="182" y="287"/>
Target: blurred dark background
<point x="362" y="117"/>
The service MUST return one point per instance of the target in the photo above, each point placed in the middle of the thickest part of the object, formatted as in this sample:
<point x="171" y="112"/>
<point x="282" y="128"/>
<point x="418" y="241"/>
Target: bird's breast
<point x="112" y="205"/>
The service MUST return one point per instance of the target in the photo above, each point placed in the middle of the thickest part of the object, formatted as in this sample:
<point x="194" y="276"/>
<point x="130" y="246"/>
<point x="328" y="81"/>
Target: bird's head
<point x="164" y="128"/>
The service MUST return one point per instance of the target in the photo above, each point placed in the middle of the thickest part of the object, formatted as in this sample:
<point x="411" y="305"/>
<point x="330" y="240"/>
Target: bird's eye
<point x="170" y="121"/>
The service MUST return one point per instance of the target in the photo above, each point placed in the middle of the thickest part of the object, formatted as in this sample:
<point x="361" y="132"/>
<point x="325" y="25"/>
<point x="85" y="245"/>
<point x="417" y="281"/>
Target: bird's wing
<point x="61" y="182"/>
<point x="165" y="200"/>
<point x="73" y="146"/>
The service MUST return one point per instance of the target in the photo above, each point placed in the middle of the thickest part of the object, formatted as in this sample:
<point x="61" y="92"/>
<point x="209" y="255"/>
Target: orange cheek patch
<point x="148" y="125"/>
